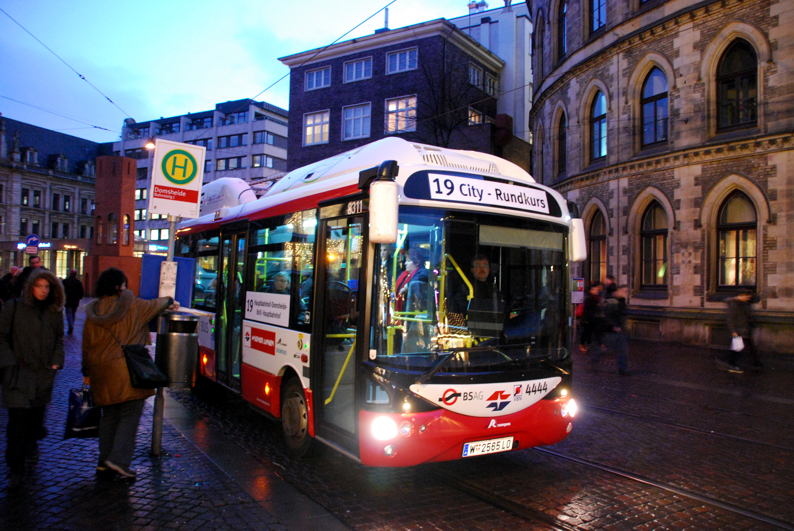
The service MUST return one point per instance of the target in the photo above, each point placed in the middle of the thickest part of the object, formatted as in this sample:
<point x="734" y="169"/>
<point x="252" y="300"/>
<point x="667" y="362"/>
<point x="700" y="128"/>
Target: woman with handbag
<point x="31" y="351"/>
<point x="117" y="318"/>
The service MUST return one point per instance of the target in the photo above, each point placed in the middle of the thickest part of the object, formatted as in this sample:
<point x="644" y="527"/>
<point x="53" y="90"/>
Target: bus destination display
<point x="461" y="189"/>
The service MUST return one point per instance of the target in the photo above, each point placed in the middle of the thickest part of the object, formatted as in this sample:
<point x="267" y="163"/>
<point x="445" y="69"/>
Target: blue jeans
<point x="117" y="431"/>
<point x="618" y="342"/>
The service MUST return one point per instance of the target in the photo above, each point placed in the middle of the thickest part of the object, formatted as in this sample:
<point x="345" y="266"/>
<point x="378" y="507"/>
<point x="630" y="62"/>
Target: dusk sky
<point x="167" y="58"/>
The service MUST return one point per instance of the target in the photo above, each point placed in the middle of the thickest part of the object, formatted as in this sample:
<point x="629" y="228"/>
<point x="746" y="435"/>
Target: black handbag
<point x="84" y="415"/>
<point x="144" y="374"/>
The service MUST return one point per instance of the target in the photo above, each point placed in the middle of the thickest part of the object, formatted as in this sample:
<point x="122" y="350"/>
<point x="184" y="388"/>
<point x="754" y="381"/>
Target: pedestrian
<point x="31" y="352"/>
<point x="609" y="287"/>
<point x="73" y="289"/>
<point x="592" y="320"/>
<point x="5" y="284"/>
<point x="615" y="312"/>
<point x="741" y="324"/>
<point x="19" y="280"/>
<point x="116" y="318"/>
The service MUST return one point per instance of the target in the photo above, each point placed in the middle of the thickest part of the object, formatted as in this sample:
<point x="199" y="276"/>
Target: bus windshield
<point x="476" y="290"/>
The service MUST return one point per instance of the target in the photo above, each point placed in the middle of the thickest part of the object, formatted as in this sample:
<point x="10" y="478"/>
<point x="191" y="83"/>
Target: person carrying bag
<point x="117" y="318"/>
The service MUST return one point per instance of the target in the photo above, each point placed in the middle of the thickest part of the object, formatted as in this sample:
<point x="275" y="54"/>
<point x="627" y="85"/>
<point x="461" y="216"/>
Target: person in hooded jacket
<point x="31" y="352"/>
<point x="117" y="318"/>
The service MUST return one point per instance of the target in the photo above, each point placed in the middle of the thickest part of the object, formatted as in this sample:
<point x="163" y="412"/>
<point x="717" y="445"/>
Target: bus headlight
<point x="569" y="409"/>
<point x="384" y="428"/>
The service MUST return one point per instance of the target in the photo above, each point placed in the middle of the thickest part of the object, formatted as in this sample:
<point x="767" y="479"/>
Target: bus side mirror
<point x="577" y="243"/>
<point x="383" y="203"/>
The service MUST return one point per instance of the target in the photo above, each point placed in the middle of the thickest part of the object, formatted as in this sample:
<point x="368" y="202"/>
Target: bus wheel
<point x="295" y="419"/>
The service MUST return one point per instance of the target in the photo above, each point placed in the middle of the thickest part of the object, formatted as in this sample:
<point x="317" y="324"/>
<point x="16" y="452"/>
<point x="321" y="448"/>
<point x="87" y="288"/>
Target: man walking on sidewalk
<point x="74" y="292"/>
<point x="741" y="324"/>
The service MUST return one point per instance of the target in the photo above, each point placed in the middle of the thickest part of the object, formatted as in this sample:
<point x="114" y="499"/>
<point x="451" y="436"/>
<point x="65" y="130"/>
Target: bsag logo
<point x="449" y="397"/>
<point x="493" y="424"/>
<point x="263" y="341"/>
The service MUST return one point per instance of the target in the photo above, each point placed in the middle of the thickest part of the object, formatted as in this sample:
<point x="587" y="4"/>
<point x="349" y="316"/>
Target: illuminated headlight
<point x="563" y="392"/>
<point x="384" y="428"/>
<point x="569" y="409"/>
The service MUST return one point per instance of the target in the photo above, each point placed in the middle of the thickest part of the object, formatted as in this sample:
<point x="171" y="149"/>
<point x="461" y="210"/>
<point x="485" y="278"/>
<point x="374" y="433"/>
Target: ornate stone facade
<point x="670" y="125"/>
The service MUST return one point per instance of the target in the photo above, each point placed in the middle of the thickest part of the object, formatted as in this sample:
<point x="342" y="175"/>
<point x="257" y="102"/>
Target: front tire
<point x="295" y="419"/>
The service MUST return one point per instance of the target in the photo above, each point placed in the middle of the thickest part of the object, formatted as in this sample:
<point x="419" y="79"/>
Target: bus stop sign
<point x="177" y="176"/>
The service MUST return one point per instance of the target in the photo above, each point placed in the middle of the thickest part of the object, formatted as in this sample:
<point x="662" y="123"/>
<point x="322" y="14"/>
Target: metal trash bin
<point x="176" y="353"/>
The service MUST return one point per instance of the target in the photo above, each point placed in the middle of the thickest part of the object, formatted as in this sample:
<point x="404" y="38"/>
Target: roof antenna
<point x="386" y="22"/>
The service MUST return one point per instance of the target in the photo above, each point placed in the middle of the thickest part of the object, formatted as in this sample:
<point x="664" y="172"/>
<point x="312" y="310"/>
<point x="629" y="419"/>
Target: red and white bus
<point x="400" y="302"/>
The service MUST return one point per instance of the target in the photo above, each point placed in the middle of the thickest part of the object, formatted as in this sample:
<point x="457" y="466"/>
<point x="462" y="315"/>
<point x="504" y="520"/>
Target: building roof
<point x="48" y="143"/>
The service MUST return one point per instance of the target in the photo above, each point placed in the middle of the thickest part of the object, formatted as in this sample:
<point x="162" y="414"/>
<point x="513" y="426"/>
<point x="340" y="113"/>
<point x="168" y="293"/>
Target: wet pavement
<point x="678" y="444"/>
<point x="202" y="479"/>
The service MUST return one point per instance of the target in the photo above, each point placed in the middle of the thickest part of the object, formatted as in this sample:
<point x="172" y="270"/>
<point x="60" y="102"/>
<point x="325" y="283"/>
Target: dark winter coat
<point x="73" y="289"/>
<point x="111" y="322"/>
<point x="37" y="339"/>
<point x="615" y="312"/>
<point x="740" y="317"/>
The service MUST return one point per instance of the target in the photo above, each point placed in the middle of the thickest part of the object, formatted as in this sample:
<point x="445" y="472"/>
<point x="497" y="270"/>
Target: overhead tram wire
<point x="81" y="76"/>
<point x="59" y="114"/>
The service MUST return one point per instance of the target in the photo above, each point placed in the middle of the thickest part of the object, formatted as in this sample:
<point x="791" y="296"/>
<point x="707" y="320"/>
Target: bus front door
<point x="336" y="412"/>
<point x="231" y="301"/>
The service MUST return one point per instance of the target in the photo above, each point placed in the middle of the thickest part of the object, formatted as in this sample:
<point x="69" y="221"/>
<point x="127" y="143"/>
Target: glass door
<point x="231" y="298"/>
<point x="338" y="323"/>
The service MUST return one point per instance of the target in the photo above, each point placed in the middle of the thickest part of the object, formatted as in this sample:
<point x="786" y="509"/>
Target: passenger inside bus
<point x="281" y="283"/>
<point x="413" y="301"/>
<point x="485" y="312"/>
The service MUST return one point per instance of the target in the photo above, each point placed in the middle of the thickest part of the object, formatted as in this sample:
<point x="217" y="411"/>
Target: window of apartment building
<point x="598" y="14"/>
<point x="31" y="156"/>
<point x="233" y="163"/>
<point x="83" y="205"/>
<point x="356" y="70"/>
<point x="475" y="117"/>
<point x="736" y="232"/>
<point x="475" y="75"/>
<point x="142" y="132"/>
<point x="140" y="193"/>
<point x="597" y="249"/>
<point x="200" y="123"/>
<point x="25" y="197"/>
<point x="654" y="247"/>
<point x="263" y="137"/>
<point x="356" y="121"/>
<point x="138" y="153"/>
<point x="36" y="198"/>
<point x="158" y="234"/>
<point x="35" y="227"/>
<point x="67" y="203"/>
<point x="262" y="160"/>
<point x="236" y="118"/>
<point x="401" y="61"/>
<point x="159" y="216"/>
<point x="598" y="127"/>
<point x="315" y="128"/>
<point x="206" y="142"/>
<point x="56" y="201"/>
<point x="89" y="169"/>
<point x="140" y="214"/>
<point x="23" y="226"/>
<point x="65" y="230"/>
<point x="654" y="108"/>
<point x="63" y="164"/>
<point x="401" y="114"/>
<point x="141" y="174"/>
<point x="737" y="92"/>
<point x="140" y="234"/>
<point x="233" y="140"/>
<point x="83" y="231"/>
<point x="167" y="129"/>
<point x="207" y="166"/>
<point x="562" y="145"/>
<point x="491" y="84"/>
<point x="54" y="230"/>
<point x="316" y="79"/>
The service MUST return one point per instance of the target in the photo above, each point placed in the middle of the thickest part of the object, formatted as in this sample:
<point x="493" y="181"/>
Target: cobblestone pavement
<point x="187" y="487"/>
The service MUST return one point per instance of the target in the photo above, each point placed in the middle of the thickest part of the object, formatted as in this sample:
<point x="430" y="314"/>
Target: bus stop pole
<point x="159" y="398"/>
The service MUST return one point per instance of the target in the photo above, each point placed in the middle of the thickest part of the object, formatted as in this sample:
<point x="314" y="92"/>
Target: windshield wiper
<point x="425" y="376"/>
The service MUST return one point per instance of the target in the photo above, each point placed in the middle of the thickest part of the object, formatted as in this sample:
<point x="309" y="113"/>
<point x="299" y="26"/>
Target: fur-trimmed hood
<point x="107" y="311"/>
<point x="55" y="299"/>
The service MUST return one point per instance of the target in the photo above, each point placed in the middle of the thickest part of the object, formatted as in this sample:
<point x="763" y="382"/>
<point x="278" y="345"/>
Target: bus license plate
<point x="490" y="446"/>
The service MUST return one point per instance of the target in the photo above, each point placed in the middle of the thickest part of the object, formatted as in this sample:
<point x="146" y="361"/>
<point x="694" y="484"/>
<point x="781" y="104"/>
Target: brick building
<point x="670" y="125"/>
<point x="428" y="82"/>
<point x="47" y="184"/>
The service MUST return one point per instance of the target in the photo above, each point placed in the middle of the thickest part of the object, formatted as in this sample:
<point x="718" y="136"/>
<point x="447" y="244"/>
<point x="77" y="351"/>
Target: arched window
<point x="562" y="31"/>
<point x="736" y="229"/>
<point x="598" y="14"/>
<point x="654" y="108"/>
<point x="597" y="252"/>
<point x="654" y="247"/>
<point x="539" y="161"/>
<point x="562" y="145"/>
<point x="113" y="229"/>
<point x="99" y="230"/>
<point x="737" y="94"/>
<point x="598" y="127"/>
<point x="126" y="230"/>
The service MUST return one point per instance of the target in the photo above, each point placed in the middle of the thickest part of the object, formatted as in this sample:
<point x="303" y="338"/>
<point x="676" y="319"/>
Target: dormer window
<point x="89" y="169"/>
<point x="63" y="163"/>
<point x="31" y="156"/>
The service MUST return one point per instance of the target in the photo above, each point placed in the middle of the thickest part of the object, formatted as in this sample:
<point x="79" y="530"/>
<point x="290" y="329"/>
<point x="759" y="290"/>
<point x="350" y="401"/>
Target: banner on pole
<point x="177" y="176"/>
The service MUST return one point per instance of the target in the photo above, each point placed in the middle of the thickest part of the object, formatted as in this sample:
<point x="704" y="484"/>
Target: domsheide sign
<point x="177" y="176"/>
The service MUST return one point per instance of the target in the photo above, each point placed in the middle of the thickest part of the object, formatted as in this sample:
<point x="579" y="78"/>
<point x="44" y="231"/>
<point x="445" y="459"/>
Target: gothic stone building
<point x="670" y="123"/>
